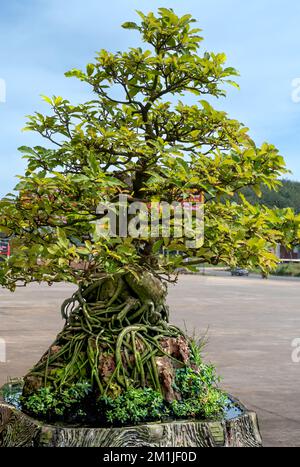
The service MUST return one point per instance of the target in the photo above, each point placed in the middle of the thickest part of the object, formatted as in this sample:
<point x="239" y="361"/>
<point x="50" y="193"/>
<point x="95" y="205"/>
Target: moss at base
<point x="197" y="397"/>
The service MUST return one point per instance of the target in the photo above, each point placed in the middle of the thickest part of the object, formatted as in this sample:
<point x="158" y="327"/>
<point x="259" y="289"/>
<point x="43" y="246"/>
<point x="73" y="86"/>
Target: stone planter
<point x="19" y="430"/>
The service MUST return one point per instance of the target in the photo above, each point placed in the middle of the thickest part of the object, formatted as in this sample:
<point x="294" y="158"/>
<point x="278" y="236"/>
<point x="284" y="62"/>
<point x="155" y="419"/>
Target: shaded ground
<point x="251" y="324"/>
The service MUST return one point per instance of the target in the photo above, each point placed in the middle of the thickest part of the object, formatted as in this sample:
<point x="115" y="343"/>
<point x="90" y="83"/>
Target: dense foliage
<point x="53" y="405"/>
<point x="137" y="136"/>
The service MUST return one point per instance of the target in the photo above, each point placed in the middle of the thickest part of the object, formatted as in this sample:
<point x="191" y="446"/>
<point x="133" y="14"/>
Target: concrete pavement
<point x="251" y="324"/>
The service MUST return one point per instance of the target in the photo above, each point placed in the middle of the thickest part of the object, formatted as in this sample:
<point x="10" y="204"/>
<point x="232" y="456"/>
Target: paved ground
<point x="251" y="324"/>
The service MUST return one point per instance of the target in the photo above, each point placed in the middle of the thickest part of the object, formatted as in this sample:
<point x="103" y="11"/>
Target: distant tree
<point x="286" y="196"/>
<point x="137" y="136"/>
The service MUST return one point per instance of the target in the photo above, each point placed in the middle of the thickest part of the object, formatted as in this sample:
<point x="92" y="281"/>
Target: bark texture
<point x="19" y="430"/>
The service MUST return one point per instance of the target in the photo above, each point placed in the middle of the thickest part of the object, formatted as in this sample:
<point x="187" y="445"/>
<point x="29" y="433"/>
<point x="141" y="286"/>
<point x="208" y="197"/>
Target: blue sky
<point x="41" y="39"/>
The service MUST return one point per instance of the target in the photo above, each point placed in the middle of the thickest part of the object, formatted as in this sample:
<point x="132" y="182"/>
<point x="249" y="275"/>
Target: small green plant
<point x="208" y="375"/>
<point x="196" y="346"/>
<point x="196" y="357"/>
<point x="209" y="405"/>
<point x="214" y="404"/>
<point x="192" y="382"/>
<point x="134" y="406"/>
<point x="48" y="403"/>
<point x="200" y="396"/>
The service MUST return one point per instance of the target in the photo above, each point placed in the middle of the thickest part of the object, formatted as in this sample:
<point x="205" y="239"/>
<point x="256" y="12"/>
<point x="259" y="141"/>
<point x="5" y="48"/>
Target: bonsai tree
<point x="148" y="135"/>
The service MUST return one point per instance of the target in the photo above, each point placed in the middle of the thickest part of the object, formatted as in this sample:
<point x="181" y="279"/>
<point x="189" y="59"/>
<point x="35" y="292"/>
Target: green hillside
<point x="288" y="195"/>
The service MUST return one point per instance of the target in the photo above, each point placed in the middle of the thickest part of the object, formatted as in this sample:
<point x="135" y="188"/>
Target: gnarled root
<point x="116" y="336"/>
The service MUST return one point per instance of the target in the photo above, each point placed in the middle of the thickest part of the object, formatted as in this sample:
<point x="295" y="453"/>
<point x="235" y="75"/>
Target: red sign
<point x="4" y="247"/>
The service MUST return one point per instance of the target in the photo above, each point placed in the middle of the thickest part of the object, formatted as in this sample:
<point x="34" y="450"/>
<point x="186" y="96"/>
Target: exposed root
<point x="116" y="336"/>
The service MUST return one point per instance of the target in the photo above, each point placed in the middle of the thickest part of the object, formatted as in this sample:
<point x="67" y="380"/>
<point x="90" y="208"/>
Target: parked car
<point x="239" y="272"/>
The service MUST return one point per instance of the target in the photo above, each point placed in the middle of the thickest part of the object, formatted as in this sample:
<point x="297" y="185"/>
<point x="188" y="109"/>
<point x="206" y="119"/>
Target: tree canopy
<point x="149" y="131"/>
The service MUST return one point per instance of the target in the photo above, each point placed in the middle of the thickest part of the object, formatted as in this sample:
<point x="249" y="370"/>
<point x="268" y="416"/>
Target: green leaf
<point x="26" y="150"/>
<point x="157" y="246"/>
<point x="90" y="68"/>
<point x="57" y="100"/>
<point x="130" y="25"/>
<point x="47" y="99"/>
